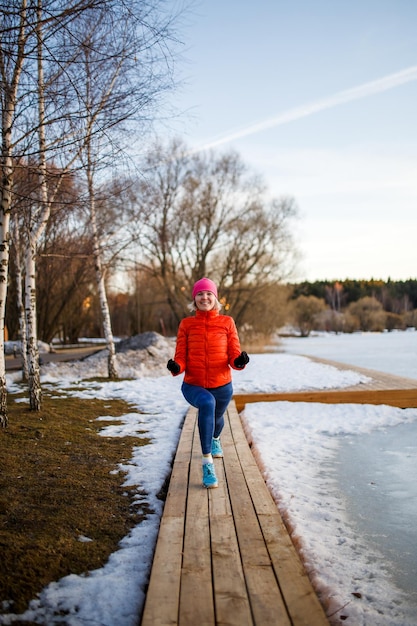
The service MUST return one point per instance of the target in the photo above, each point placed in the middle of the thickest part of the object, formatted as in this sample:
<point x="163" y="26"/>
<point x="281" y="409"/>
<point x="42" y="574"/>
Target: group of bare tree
<point x="77" y="79"/>
<point x="80" y="83"/>
<point x="308" y="313"/>
<point x="188" y="215"/>
<point x="208" y="214"/>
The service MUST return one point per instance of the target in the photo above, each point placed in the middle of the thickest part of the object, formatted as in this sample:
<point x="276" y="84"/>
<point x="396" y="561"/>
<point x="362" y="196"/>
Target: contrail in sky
<point x="355" y="93"/>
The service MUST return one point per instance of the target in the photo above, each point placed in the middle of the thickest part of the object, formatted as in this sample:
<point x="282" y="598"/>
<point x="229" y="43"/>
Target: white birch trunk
<point x="4" y="267"/>
<point x="6" y="172"/>
<point x="104" y="307"/>
<point x="98" y="265"/>
<point x="107" y="329"/>
<point x="20" y="303"/>
<point x="101" y="286"/>
<point x="35" y="392"/>
<point x="34" y="379"/>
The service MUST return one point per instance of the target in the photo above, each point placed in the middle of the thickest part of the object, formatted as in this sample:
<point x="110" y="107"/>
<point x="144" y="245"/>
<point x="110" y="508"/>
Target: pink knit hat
<point x="204" y="284"/>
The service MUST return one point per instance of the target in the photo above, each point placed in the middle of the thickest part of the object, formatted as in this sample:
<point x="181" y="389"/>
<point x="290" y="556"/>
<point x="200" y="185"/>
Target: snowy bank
<point x="297" y="447"/>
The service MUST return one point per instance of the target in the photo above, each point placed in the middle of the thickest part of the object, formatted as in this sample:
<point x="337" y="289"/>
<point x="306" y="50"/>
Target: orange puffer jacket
<point x="207" y="346"/>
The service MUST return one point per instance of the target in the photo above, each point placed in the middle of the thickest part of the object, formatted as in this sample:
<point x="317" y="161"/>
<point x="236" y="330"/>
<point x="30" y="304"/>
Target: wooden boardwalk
<point x="381" y="389"/>
<point x="223" y="556"/>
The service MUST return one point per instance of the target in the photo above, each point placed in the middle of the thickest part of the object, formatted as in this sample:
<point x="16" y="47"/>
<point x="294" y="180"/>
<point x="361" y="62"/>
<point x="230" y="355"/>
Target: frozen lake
<point x="394" y="352"/>
<point x="376" y="472"/>
<point x="377" y="475"/>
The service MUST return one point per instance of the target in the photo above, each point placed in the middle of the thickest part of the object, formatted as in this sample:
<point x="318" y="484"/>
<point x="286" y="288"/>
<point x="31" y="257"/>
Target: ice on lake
<point x="377" y="473"/>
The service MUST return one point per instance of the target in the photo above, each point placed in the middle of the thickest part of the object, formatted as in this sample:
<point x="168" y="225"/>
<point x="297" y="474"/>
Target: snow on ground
<point x="269" y="373"/>
<point x="296" y="444"/>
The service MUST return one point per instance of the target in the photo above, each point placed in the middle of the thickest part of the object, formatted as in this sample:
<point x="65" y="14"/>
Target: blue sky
<point x="349" y="158"/>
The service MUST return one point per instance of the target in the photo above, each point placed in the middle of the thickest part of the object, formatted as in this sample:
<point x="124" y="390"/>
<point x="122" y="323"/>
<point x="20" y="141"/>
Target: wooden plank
<point x="231" y="599"/>
<point x="264" y="594"/>
<point x="176" y="500"/>
<point x="265" y="597"/>
<point x="382" y="388"/>
<point x="300" y="598"/>
<point x="185" y="443"/>
<point x="219" y="500"/>
<point x="162" y="598"/>
<point x="403" y="398"/>
<point x="196" y="594"/>
<point x="301" y="601"/>
<point x="252" y="546"/>
<point x="260" y="495"/>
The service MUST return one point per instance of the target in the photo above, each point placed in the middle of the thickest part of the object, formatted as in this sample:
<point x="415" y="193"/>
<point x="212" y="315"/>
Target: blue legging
<point x="211" y="405"/>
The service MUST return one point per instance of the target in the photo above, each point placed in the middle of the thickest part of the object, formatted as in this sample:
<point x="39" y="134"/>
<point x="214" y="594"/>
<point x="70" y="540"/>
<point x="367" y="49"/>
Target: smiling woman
<point x="207" y="349"/>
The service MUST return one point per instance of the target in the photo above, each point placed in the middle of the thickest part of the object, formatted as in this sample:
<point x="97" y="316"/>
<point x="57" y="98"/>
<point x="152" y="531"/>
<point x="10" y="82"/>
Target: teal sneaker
<point x="216" y="449"/>
<point x="209" y="476"/>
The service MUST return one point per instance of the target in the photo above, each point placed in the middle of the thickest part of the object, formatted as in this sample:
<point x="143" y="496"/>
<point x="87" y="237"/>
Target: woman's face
<point x="205" y="300"/>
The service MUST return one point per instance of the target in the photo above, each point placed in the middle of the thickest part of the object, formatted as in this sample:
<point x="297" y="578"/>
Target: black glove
<point x="173" y="367"/>
<point x="241" y="360"/>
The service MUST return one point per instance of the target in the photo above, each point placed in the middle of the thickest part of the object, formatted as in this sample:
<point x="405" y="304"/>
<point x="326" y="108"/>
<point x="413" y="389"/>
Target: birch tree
<point x="47" y="187"/>
<point x="119" y="75"/>
<point x="126" y="65"/>
<point x="35" y="392"/>
<point x="21" y="43"/>
<point x="19" y="277"/>
<point x="12" y="54"/>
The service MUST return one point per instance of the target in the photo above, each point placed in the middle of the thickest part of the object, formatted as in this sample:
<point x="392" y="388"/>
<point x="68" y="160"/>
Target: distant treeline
<point x="395" y="296"/>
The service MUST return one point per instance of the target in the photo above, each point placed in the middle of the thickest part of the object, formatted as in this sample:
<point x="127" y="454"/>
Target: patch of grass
<point x="58" y="484"/>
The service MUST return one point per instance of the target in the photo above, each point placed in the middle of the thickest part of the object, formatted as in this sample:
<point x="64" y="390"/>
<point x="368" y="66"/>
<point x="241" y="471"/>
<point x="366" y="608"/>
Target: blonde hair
<point x="192" y="306"/>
